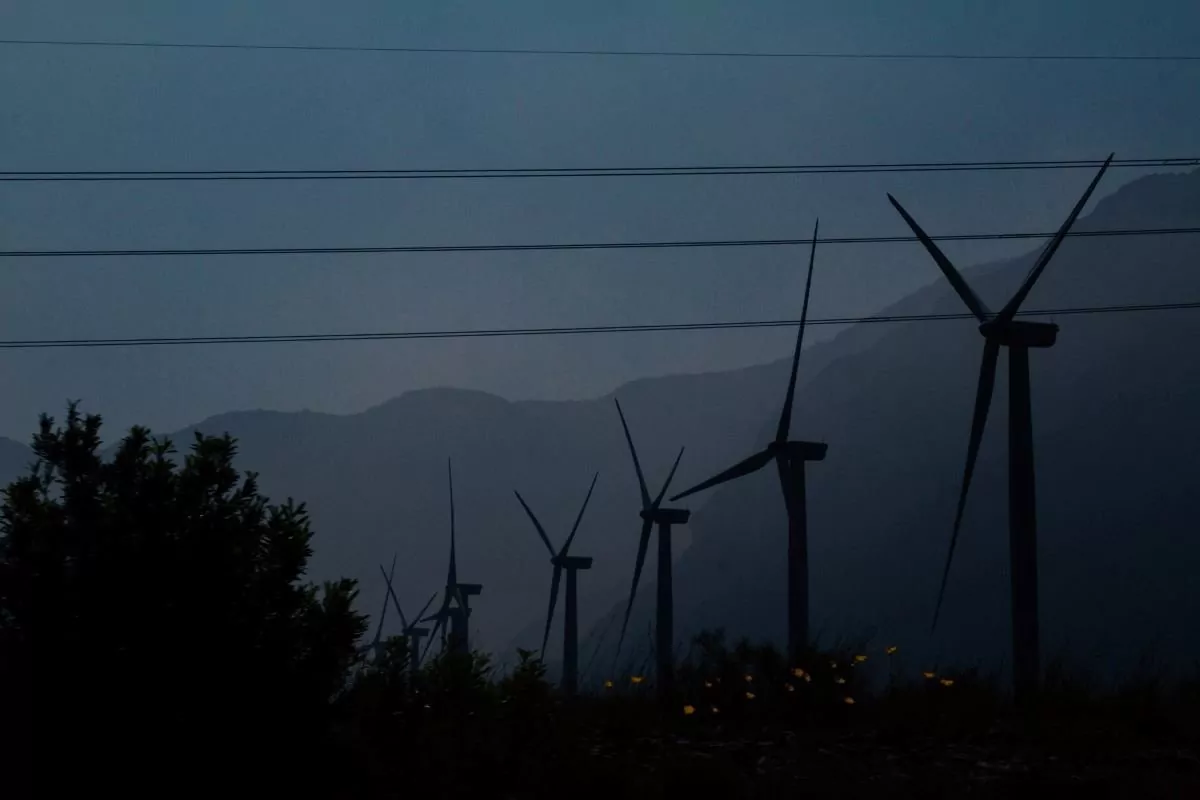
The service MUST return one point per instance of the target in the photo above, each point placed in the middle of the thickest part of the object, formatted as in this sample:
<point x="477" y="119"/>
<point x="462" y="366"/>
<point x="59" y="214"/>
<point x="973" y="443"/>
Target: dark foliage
<point x="157" y="610"/>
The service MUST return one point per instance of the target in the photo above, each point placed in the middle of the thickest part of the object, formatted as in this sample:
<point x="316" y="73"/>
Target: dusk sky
<point x="82" y="108"/>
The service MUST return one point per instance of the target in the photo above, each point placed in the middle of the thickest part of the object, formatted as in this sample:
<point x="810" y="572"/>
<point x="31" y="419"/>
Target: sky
<point x="113" y="109"/>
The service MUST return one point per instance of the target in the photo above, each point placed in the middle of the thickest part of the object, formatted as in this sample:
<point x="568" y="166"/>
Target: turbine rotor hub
<point x="1021" y="334"/>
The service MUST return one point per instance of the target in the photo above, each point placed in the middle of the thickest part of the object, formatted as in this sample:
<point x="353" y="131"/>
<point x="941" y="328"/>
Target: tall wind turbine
<point x="455" y="610"/>
<point x="653" y="514"/>
<point x="412" y="632"/>
<point x="375" y="648"/>
<point x="789" y="458"/>
<point x="1001" y="330"/>
<point x="572" y="564"/>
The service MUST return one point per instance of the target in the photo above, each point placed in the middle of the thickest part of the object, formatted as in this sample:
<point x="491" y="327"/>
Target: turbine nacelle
<point x="666" y="516"/>
<point x="470" y="589"/>
<point x="1020" y="334"/>
<point x="800" y="451"/>
<point x="572" y="562"/>
<point x="422" y="632"/>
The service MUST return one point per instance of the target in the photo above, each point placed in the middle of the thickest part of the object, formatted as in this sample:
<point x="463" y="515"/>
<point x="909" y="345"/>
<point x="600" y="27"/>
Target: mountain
<point x="1117" y="434"/>
<point x="376" y="484"/>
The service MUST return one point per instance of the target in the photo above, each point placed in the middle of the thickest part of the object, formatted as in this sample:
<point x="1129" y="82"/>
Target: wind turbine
<point x="561" y="561"/>
<point x="653" y="514"/>
<point x="1002" y="330"/>
<point x="789" y="457"/>
<point x="376" y="646"/>
<point x="454" y="611"/>
<point x="412" y="632"/>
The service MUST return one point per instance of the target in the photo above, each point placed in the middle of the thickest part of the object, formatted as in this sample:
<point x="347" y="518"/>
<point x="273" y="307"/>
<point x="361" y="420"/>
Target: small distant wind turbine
<point x="1002" y="330"/>
<point x="375" y="648"/>
<point x="412" y="632"/>
<point x="789" y="458"/>
<point x="561" y="561"/>
<point x="653" y="514"/>
<point x="454" y="611"/>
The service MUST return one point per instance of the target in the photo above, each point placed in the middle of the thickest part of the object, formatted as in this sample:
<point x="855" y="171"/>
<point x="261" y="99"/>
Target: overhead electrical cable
<point x="603" y="52"/>
<point x="487" y="173"/>
<point x="505" y="248"/>
<point x="147" y="341"/>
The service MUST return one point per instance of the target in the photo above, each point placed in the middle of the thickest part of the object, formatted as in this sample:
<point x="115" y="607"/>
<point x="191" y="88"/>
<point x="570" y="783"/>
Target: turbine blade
<point x="956" y="280"/>
<point x="983" y="400"/>
<point x="637" y="465"/>
<point x="745" y="467"/>
<point x="425" y="608"/>
<point x="392" y="592"/>
<point x="579" y="518"/>
<point x="667" y="482"/>
<point x="643" y="546"/>
<point x="785" y="419"/>
<point x="452" y="573"/>
<point x="433" y="636"/>
<point x="541" y="531"/>
<point x="1010" y="310"/>
<point x="383" y="611"/>
<point x="550" y="614"/>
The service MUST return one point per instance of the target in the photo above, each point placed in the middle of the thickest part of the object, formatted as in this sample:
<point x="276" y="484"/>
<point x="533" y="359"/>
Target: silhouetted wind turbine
<point x="412" y="632"/>
<point x="789" y="458"/>
<point x="376" y="645"/>
<point x="561" y="561"/>
<point x="1001" y="330"/>
<point x="653" y="514"/>
<point x="454" y="610"/>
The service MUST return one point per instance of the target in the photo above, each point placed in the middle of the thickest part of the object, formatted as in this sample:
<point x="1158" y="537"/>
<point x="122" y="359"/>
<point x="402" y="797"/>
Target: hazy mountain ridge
<point x="893" y="402"/>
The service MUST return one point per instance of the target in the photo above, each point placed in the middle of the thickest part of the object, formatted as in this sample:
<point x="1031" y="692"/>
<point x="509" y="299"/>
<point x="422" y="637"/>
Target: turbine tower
<point x="789" y="457"/>
<point x="1001" y="330"/>
<point x="413" y="633"/>
<point x="653" y="514"/>
<point x="455" y="611"/>
<point x="572" y="564"/>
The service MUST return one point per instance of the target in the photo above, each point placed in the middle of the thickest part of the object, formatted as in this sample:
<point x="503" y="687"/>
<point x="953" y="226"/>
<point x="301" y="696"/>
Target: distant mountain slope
<point x="1116" y="429"/>
<point x="376" y="482"/>
<point x="1117" y="436"/>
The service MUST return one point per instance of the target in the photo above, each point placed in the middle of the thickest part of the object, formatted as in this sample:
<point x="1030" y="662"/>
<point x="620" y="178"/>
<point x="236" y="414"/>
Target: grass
<point x="744" y="723"/>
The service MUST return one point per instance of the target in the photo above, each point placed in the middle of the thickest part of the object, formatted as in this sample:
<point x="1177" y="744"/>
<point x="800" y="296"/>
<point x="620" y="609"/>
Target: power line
<point x="520" y="51"/>
<point x="576" y="172"/>
<point x="502" y="248"/>
<point x="146" y="341"/>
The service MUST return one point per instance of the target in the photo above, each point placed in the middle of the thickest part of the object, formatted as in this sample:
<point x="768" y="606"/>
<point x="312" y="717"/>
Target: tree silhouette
<point x="154" y="606"/>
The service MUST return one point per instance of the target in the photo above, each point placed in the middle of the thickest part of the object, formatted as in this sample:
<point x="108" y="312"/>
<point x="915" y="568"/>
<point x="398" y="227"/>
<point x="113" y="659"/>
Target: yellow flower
<point x="807" y="678"/>
<point x="799" y="673"/>
<point x="608" y="684"/>
<point x="947" y="681"/>
<point x="891" y="650"/>
<point x="750" y="695"/>
<point x="839" y="680"/>
<point x="848" y="701"/>
<point x="929" y="675"/>
<point x="689" y="710"/>
<point x="636" y="679"/>
<point x="860" y="658"/>
<point x="749" y="678"/>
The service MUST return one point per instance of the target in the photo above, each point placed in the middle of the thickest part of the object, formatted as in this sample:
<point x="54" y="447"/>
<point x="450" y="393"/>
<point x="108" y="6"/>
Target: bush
<point x="160" y="608"/>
